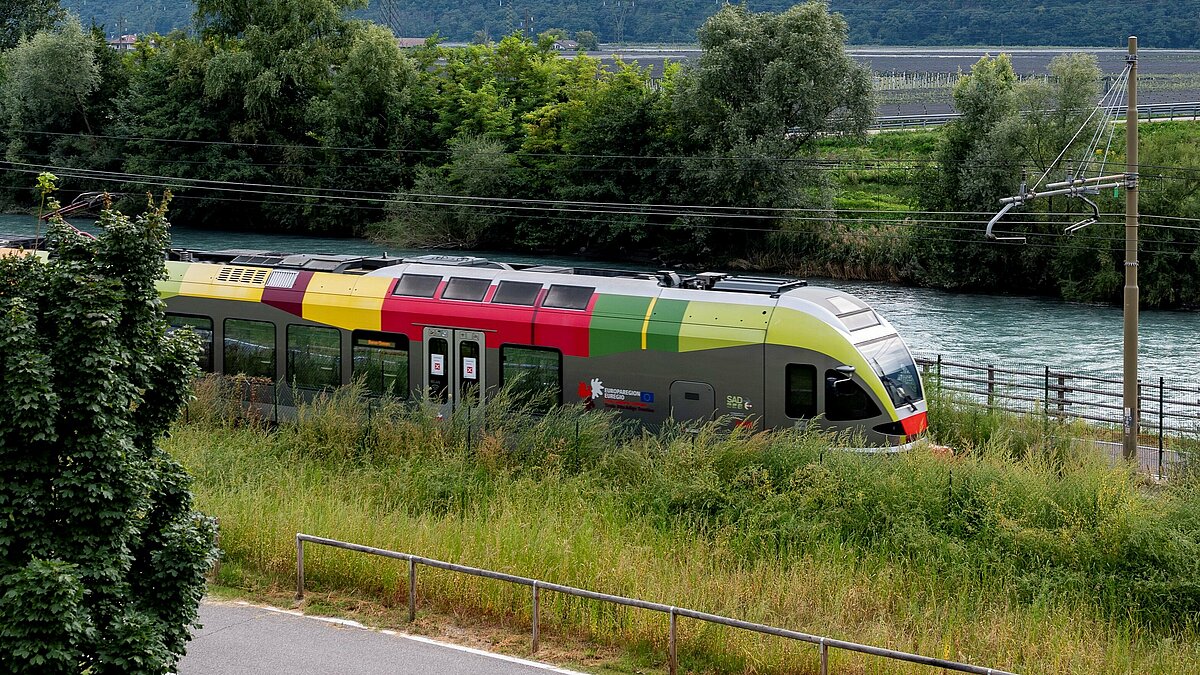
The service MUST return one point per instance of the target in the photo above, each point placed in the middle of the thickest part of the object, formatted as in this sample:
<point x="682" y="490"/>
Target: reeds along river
<point x="996" y="329"/>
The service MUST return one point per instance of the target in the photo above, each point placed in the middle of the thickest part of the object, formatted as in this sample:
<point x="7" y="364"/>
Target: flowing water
<point x="997" y="329"/>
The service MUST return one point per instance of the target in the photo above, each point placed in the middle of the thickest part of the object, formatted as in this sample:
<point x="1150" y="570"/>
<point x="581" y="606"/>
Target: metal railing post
<point x="672" y="656"/>
<point x="412" y="590"/>
<point x="1062" y="395"/>
<point x="991" y="384"/>
<point x="1161" y="386"/>
<point x="1046" y="393"/>
<point x="536" y="613"/>
<point x="299" y="567"/>
<point x="824" y="657"/>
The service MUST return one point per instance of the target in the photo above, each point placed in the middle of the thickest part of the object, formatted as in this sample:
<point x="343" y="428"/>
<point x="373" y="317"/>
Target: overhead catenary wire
<point x="925" y="225"/>
<point x="401" y="197"/>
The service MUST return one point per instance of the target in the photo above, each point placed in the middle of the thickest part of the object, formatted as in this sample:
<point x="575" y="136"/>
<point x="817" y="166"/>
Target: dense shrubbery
<point x="1023" y="524"/>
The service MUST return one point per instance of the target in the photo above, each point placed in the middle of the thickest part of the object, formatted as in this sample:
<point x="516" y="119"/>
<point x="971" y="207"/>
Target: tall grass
<point x="1022" y="552"/>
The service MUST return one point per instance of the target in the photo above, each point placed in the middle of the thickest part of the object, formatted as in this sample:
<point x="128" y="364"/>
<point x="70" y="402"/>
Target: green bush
<point x="102" y="557"/>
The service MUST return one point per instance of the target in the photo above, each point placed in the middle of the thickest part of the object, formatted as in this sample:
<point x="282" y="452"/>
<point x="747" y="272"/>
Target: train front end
<point x="841" y="362"/>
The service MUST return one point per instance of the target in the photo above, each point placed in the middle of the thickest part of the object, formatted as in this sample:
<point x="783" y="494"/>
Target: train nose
<point x="914" y="425"/>
<point x="903" y="433"/>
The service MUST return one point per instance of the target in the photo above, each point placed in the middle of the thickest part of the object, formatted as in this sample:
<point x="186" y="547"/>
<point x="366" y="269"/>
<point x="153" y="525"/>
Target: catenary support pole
<point x="1130" y="374"/>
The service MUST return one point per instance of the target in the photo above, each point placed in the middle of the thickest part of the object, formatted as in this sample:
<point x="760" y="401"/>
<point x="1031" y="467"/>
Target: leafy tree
<point x="23" y="18"/>
<point x="773" y="76"/>
<point x="587" y="41"/>
<point x="979" y="151"/>
<point x="478" y="167"/>
<point x="49" y="79"/>
<point x="102" y="557"/>
<point x="1056" y="108"/>
<point x="980" y="161"/>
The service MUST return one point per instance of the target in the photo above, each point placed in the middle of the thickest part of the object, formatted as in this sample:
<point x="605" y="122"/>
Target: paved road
<point x="242" y="639"/>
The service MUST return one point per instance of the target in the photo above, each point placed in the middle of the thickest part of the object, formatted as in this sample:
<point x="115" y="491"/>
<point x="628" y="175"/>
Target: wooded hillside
<point x="900" y="22"/>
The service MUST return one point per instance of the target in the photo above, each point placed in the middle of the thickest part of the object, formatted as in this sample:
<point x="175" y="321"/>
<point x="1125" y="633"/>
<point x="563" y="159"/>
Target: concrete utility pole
<point x="1131" y="260"/>
<point x="1082" y="188"/>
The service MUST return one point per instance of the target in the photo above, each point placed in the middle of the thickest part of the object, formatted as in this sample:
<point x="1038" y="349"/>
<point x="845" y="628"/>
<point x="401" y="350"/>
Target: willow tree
<point x="102" y="555"/>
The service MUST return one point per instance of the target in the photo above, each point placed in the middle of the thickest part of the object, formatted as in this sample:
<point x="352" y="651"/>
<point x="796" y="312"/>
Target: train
<point x="753" y="351"/>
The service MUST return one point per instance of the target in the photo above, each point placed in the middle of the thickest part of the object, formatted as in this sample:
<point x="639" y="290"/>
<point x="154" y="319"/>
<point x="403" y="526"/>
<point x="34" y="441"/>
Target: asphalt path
<point x="240" y="638"/>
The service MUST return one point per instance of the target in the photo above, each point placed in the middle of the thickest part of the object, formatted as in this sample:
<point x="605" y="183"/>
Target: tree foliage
<point x="23" y="18"/>
<point x="102" y="557"/>
<point x="774" y="76"/>
<point x="50" y="78"/>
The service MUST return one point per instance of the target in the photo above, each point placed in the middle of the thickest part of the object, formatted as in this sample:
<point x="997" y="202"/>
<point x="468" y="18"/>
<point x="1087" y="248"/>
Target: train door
<point x="692" y="401"/>
<point x="454" y="368"/>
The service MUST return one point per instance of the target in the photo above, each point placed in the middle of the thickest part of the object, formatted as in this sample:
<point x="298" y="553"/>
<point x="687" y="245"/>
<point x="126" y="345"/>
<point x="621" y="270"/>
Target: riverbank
<point x="1022" y="553"/>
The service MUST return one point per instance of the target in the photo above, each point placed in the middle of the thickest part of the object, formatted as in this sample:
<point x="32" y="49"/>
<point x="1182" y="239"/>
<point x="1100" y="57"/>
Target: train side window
<point x="801" y="400"/>
<point x="516" y="293"/>
<point x="417" y="285"/>
<point x="568" y="297"/>
<point x="846" y="400"/>
<point x="202" y="326"/>
<point x="381" y="362"/>
<point x="466" y="288"/>
<point x="535" y="373"/>
<point x="249" y="348"/>
<point x="314" y="356"/>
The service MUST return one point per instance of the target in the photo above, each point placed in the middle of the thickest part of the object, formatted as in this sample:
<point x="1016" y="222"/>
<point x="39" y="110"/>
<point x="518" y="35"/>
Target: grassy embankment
<point x="1023" y="552"/>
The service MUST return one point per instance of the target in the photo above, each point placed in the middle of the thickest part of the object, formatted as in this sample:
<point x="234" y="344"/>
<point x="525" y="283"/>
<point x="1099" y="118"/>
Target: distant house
<point x="405" y="42"/>
<point x="122" y="44"/>
<point x="566" y="45"/>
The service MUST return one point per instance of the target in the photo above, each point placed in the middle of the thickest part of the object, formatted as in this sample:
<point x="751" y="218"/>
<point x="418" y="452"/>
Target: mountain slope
<point x="1159" y="23"/>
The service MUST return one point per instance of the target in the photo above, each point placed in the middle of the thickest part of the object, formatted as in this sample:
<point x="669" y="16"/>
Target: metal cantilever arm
<point x="996" y="218"/>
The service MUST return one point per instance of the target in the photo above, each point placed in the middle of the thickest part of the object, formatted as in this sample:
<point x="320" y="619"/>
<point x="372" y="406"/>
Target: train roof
<point x="833" y="306"/>
<point x="387" y="266"/>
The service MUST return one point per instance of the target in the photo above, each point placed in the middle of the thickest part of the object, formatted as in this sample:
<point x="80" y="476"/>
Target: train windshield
<point x="895" y="366"/>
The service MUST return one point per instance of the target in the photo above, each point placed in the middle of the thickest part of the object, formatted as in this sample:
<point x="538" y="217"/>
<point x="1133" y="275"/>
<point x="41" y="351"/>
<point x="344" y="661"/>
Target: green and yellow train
<point x="763" y="352"/>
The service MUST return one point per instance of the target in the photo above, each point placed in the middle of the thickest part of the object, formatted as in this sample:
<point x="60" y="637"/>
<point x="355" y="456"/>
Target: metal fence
<point x="824" y="644"/>
<point x="1186" y="110"/>
<point x="1168" y="425"/>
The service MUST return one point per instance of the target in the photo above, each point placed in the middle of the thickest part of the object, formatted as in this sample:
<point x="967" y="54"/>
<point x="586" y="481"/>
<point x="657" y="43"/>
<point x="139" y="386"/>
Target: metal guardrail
<point x="1187" y="110"/>
<point x="824" y="644"/>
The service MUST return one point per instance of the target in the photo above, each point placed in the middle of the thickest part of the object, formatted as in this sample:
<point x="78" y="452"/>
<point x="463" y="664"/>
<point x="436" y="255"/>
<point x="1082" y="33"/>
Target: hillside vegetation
<point x="890" y="22"/>
<point x="1024" y="552"/>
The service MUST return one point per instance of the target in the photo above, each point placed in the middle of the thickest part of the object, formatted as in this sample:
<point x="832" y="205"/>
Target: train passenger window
<point x="381" y="362"/>
<point x="417" y="285"/>
<point x="249" y="348"/>
<point x="202" y="326"/>
<point x="465" y="288"/>
<point x="516" y="293"/>
<point x="314" y="356"/>
<point x="535" y="373"/>
<point x="846" y="400"/>
<point x="801" y="399"/>
<point x="568" y="297"/>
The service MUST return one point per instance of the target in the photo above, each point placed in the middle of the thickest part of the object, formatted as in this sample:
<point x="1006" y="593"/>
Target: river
<point x="997" y="329"/>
